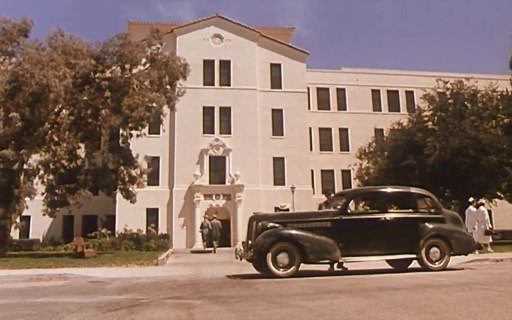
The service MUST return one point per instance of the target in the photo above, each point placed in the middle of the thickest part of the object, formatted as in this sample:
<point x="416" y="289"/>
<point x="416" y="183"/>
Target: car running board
<point x="379" y="258"/>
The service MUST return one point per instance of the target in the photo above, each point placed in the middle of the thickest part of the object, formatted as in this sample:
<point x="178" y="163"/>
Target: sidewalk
<point x="182" y="263"/>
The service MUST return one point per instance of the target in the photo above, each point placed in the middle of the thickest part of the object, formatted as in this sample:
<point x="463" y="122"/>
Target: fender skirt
<point x="313" y="247"/>
<point x="460" y="241"/>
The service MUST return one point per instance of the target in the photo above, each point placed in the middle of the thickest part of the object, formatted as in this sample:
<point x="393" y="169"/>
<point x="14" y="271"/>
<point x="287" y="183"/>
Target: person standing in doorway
<point x="483" y="224"/>
<point x="205" y="230"/>
<point x="216" y="232"/>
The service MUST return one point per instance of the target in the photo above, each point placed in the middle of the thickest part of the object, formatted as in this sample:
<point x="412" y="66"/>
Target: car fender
<point x="461" y="242"/>
<point x="313" y="247"/>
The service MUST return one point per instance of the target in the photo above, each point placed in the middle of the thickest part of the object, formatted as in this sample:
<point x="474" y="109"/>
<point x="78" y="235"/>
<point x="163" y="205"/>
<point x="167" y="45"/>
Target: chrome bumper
<point x="242" y="252"/>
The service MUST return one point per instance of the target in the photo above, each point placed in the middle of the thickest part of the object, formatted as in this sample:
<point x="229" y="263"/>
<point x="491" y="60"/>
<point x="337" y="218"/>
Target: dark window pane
<point x="325" y="136"/>
<point x="208" y="72"/>
<point x="24" y="227"/>
<point x="68" y="228"/>
<point x="327" y="177"/>
<point x="341" y="96"/>
<point x="155" y="123"/>
<point x="152" y="220"/>
<point x="217" y="170"/>
<point x="225" y="73"/>
<point x="109" y="223"/>
<point x="89" y="224"/>
<point x="379" y="136"/>
<point x="346" y="179"/>
<point x="323" y="99"/>
<point x="279" y="176"/>
<point x="376" y="101"/>
<point x="276" y="80"/>
<point x="277" y="123"/>
<point x="344" y="141"/>
<point x="393" y="101"/>
<point x="313" y="180"/>
<point x="310" y="139"/>
<point x="225" y="120"/>
<point x="154" y="171"/>
<point x="208" y="120"/>
<point x="410" y="101"/>
<point x="309" y="99"/>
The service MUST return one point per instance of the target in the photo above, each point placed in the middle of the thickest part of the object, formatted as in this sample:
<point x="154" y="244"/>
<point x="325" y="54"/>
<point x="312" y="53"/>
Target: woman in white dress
<point x="483" y="222"/>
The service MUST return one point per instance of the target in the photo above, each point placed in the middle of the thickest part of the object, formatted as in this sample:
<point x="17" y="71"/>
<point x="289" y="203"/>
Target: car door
<point x="359" y="228"/>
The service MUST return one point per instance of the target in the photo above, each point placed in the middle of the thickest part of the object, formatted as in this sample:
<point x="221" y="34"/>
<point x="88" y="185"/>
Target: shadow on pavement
<point x="320" y="273"/>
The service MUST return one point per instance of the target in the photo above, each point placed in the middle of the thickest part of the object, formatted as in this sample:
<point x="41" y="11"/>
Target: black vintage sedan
<point x="396" y="224"/>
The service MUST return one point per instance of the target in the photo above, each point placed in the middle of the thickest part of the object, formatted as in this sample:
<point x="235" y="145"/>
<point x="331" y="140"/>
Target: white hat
<point x="471" y="199"/>
<point x="481" y="201"/>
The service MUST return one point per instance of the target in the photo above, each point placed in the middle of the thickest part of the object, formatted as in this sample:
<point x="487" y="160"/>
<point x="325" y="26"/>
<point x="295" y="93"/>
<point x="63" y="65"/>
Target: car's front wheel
<point x="283" y="260"/>
<point x="399" y="264"/>
<point x="434" y="254"/>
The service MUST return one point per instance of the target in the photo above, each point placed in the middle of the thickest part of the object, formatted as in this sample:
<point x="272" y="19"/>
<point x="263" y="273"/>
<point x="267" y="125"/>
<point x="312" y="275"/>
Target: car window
<point x="401" y="202"/>
<point x="426" y="205"/>
<point x="367" y="203"/>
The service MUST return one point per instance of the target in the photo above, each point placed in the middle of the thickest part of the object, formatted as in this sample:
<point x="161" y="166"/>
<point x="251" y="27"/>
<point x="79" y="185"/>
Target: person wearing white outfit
<point x="471" y="216"/>
<point x="483" y="222"/>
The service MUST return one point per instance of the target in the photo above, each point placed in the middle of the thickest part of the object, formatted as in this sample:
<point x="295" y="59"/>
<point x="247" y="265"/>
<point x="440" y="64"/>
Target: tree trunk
<point x="5" y="231"/>
<point x="7" y="179"/>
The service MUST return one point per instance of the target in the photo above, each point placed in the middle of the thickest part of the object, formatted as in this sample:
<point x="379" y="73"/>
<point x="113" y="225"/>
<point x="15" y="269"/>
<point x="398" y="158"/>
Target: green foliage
<point x="459" y="143"/>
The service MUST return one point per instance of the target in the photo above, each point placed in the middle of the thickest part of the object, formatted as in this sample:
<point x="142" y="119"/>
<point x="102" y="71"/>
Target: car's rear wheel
<point x="434" y="254"/>
<point x="283" y="260"/>
<point x="399" y="264"/>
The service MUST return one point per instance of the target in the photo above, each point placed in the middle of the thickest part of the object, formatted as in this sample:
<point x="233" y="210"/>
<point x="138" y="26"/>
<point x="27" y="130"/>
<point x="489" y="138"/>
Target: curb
<point x="162" y="259"/>
<point x="485" y="260"/>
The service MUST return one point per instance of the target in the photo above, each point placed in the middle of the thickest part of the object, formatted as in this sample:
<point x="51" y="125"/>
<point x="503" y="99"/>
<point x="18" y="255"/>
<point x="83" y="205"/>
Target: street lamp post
<point x="292" y="188"/>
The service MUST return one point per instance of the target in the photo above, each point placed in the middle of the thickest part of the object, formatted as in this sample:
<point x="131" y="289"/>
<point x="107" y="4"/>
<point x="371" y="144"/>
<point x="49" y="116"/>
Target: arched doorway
<point x="225" y="219"/>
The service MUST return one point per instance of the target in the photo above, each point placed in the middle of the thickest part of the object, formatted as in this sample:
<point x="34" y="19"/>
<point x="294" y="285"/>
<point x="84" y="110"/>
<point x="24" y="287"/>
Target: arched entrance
<point x="225" y="219"/>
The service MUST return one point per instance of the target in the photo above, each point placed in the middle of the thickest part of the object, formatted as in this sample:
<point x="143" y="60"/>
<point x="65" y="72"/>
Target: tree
<point x="68" y="111"/>
<point x="458" y="144"/>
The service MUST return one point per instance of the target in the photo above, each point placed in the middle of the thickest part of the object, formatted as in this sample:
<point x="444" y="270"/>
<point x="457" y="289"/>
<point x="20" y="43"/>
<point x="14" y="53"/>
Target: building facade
<point x="256" y="131"/>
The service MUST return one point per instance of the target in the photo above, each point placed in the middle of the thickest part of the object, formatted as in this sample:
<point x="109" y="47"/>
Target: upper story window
<point x="346" y="179"/>
<point x="344" y="140"/>
<point x="208" y="72"/>
<point x="154" y="171"/>
<point x="217" y="172"/>
<point x="208" y="120"/>
<point x="309" y="99"/>
<point x="341" y="97"/>
<point x="279" y="171"/>
<point x="225" y="73"/>
<point x="313" y="180"/>
<point x="410" y="101"/>
<point x="310" y="139"/>
<point x="393" y="101"/>
<point x="379" y="136"/>
<point x="325" y="136"/>
<point x="225" y="120"/>
<point x="155" y="125"/>
<point x="277" y="123"/>
<point x="323" y="98"/>
<point x="376" y="100"/>
<point x="276" y="77"/>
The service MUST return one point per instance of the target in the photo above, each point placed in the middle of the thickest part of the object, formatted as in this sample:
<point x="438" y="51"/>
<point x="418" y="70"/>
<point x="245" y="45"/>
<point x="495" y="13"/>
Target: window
<point x="367" y="203"/>
<point x="309" y="99"/>
<point x="276" y="80"/>
<point x="379" y="136"/>
<point x="325" y="136"/>
<point x="341" y="97"/>
<point x="225" y="120"/>
<point x="313" y="180"/>
<point x="89" y="224"/>
<point x="277" y="123"/>
<point x="155" y="123"/>
<point x="217" y="170"/>
<point x="393" y="101"/>
<point x="225" y="73"/>
<point x="154" y="171"/>
<point x="344" y="141"/>
<point x="208" y="72"/>
<point x="323" y="98"/>
<point x="279" y="173"/>
<point x="310" y="139"/>
<point x="208" y="120"/>
<point x="376" y="101"/>
<point x="410" y="101"/>
<point x="327" y="177"/>
<point x="346" y="179"/>
<point x="68" y="228"/>
<point x="152" y="219"/>
<point x="24" y="227"/>
<point x="109" y="223"/>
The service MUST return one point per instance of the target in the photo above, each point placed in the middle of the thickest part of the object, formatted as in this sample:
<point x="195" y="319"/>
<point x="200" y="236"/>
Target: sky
<point x="471" y="36"/>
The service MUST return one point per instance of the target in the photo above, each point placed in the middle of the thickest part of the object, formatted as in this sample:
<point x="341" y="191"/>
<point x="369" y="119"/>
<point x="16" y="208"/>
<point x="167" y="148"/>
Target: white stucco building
<point x="254" y="122"/>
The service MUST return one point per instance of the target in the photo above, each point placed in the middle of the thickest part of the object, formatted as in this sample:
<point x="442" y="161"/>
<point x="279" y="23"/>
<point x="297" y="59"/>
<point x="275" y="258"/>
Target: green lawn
<point x="39" y="259"/>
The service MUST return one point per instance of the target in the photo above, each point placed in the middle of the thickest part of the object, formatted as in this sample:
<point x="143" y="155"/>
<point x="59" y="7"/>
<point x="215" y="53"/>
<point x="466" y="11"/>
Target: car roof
<point x="355" y="191"/>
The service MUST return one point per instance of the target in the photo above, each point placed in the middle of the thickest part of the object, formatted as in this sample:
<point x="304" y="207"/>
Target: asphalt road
<point x="468" y="291"/>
